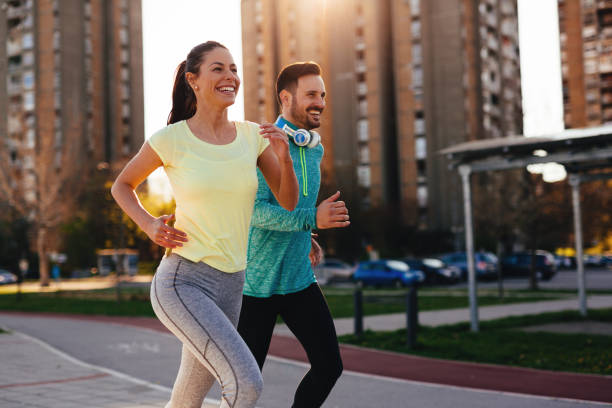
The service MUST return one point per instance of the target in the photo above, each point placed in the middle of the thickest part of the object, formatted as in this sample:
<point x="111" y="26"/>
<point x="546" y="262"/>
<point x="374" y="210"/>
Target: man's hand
<point x="316" y="253"/>
<point x="332" y="213"/>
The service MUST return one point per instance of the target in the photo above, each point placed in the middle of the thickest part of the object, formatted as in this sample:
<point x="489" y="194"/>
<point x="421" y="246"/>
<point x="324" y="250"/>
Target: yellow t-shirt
<point x="214" y="188"/>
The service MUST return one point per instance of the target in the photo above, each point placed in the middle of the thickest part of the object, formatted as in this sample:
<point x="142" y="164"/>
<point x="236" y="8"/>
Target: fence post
<point x="358" y="302"/>
<point x="412" y="316"/>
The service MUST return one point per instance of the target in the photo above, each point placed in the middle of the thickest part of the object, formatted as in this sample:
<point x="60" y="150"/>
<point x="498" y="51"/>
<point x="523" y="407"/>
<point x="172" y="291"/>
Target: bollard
<point x="358" y="302"/>
<point x="412" y="316"/>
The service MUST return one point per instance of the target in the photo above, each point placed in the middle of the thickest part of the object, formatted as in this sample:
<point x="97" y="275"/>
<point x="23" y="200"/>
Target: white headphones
<point x="301" y="137"/>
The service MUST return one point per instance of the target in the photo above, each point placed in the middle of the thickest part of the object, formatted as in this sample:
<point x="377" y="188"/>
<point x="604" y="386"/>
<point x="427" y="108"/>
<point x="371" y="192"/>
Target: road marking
<point x="64" y="380"/>
<point x="105" y="370"/>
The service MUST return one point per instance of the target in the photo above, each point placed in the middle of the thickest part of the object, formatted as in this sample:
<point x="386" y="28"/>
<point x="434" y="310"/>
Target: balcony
<point x="15" y="12"/>
<point x="13" y="47"/>
<point x="13" y="89"/>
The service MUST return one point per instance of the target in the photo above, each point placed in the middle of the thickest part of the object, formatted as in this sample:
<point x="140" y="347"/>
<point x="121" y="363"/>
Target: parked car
<point x="7" y="277"/>
<point x="485" y="264"/>
<point x="565" y="262"/>
<point x="435" y="270"/>
<point x="519" y="264"/>
<point x="387" y="273"/>
<point x="332" y="269"/>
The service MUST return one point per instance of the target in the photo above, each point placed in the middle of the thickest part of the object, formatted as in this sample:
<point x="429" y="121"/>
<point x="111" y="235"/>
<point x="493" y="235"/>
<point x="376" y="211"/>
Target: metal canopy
<point x="578" y="150"/>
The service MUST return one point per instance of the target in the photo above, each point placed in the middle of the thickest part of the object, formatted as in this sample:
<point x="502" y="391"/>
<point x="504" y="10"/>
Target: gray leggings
<point x="201" y="306"/>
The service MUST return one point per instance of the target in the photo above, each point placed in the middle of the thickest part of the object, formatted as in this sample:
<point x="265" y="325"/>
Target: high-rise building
<point x="72" y="93"/>
<point x="406" y="78"/>
<point x="585" y="34"/>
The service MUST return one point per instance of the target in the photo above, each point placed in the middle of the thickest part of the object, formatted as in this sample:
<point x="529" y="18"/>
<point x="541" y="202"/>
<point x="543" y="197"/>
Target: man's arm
<point x="267" y="215"/>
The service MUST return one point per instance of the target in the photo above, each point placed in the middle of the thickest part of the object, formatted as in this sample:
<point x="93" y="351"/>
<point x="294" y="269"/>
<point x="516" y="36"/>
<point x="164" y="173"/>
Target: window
<point x="30" y="139"/>
<point x="416" y="29"/>
<point x="415" y="7"/>
<point x="364" y="154"/>
<point x="363" y="107"/>
<point x="27" y="41"/>
<point x="56" y="40"/>
<point x="420" y="148"/>
<point x="28" y="80"/>
<point x="28" y="58"/>
<point x="417" y="77"/>
<point x="419" y="126"/>
<point x="363" y="176"/>
<point x="28" y="101"/>
<point x="362" y="130"/>
<point x="422" y="196"/>
<point x="123" y="36"/>
<point x="27" y="22"/>
<point x="416" y="54"/>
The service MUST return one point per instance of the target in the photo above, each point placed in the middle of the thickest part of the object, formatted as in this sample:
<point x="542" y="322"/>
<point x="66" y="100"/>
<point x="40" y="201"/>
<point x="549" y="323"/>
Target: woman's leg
<point x="192" y="383"/>
<point x="186" y="298"/>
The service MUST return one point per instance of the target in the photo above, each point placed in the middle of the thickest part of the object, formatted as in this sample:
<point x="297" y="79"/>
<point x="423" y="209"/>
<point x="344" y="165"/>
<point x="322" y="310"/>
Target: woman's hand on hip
<point x="164" y="235"/>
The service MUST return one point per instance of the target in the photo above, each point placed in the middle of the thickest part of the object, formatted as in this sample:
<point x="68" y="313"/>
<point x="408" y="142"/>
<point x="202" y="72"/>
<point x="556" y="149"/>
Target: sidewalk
<point x="35" y="375"/>
<point x="32" y="376"/>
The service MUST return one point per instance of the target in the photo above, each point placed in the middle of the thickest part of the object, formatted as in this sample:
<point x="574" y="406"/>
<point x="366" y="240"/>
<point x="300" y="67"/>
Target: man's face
<point x="308" y="102"/>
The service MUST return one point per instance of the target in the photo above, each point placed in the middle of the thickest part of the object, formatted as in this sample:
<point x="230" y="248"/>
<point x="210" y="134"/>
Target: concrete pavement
<point x="129" y="365"/>
<point x="35" y="374"/>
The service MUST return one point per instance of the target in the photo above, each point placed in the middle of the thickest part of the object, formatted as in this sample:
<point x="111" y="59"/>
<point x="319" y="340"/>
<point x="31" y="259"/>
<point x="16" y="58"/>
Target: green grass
<point x="135" y="302"/>
<point x="392" y="301"/>
<point x="501" y="342"/>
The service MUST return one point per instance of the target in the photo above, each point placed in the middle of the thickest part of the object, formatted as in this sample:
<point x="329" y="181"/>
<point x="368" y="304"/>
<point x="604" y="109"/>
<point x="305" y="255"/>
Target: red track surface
<point x="429" y="370"/>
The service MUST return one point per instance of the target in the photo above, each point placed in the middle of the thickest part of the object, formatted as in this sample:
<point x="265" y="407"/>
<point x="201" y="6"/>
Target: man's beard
<point x="301" y="116"/>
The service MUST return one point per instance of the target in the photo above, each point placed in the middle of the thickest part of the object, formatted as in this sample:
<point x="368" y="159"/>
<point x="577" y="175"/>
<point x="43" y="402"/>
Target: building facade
<point x="405" y="79"/>
<point x="73" y="96"/>
<point x="585" y="34"/>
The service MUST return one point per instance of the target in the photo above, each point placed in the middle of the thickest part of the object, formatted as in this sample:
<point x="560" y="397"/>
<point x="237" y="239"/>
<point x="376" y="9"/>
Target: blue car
<point x="387" y="273"/>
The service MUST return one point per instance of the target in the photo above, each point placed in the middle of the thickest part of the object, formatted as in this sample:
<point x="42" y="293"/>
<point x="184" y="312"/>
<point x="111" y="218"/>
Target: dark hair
<point x="183" y="99"/>
<point x="289" y="75"/>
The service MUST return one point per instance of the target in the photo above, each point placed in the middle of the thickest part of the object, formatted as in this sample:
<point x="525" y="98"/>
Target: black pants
<point x="307" y="316"/>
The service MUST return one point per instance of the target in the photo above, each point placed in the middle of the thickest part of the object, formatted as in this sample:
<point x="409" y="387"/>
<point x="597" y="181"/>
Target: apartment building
<point x="406" y="78"/>
<point x="585" y="34"/>
<point x="73" y="94"/>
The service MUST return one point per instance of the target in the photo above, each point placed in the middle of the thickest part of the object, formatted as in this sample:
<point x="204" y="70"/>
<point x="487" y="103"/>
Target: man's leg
<point x="256" y="324"/>
<point x="307" y="315"/>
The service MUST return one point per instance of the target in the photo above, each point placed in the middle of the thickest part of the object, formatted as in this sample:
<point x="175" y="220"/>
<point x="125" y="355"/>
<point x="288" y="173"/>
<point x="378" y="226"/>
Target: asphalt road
<point x="154" y="356"/>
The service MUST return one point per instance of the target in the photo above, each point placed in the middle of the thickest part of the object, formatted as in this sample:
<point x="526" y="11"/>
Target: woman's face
<point x="217" y="82"/>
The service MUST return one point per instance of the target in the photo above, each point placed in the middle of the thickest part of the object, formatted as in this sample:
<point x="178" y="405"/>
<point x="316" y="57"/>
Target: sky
<point x="171" y="29"/>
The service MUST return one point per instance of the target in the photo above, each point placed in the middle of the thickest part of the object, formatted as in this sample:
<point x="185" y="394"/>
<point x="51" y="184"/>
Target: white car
<point x="333" y="269"/>
<point x="7" y="277"/>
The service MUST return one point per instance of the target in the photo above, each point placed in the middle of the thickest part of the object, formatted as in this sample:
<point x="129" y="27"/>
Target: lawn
<point x="135" y="301"/>
<point x="502" y="342"/>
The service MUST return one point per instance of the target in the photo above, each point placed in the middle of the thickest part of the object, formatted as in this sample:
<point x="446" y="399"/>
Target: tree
<point x="47" y="191"/>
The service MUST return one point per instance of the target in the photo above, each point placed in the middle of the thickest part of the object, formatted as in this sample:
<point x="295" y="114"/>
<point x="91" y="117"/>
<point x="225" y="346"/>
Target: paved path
<point x="36" y="375"/>
<point x="130" y="346"/>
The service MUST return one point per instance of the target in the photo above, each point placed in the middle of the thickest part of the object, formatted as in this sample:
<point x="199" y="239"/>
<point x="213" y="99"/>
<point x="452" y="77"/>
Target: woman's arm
<point x="123" y="191"/>
<point x="277" y="167"/>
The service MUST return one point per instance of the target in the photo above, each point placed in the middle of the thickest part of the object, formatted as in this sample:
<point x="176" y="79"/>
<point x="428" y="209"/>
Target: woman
<point x="211" y="164"/>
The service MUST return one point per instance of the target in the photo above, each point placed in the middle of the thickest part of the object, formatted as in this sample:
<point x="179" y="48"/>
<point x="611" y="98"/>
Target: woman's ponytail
<point x="183" y="98"/>
<point x="184" y="102"/>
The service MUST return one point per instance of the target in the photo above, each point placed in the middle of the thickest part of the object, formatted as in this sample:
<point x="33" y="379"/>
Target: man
<point x="279" y="276"/>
